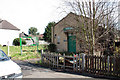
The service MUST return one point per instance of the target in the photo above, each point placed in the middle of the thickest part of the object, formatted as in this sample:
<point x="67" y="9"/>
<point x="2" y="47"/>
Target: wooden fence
<point x="101" y="65"/>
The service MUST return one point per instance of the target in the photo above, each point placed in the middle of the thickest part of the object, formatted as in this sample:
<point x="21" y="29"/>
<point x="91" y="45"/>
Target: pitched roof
<point x="73" y="14"/>
<point x="7" y="25"/>
<point x="64" y="18"/>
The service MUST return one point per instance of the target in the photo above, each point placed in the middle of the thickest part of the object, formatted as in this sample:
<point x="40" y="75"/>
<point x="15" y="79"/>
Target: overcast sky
<point x="30" y="13"/>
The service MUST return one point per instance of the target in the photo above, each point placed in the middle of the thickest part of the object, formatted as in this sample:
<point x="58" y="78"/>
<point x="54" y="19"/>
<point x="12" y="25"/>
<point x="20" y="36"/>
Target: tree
<point x="92" y="16"/>
<point x="38" y="33"/>
<point x="32" y="30"/>
<point x="47" y="33"/>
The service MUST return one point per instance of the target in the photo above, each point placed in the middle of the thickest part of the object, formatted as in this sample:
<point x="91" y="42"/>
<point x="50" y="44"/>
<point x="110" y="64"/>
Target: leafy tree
<point x="38" y="33"/>
<point x="32" y="30"/>
<point x="47" y="33"/>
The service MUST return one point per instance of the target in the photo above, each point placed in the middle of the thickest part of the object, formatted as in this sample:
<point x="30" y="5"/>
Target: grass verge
<point x="29" y="52"/>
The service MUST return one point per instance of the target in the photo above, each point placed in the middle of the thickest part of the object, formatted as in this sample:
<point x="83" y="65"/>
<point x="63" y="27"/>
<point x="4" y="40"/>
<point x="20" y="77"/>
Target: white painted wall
<point x="8" y="35"/>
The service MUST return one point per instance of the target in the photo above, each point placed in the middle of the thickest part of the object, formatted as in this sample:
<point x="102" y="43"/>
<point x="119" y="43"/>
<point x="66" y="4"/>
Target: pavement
<point x="36" y="71"/>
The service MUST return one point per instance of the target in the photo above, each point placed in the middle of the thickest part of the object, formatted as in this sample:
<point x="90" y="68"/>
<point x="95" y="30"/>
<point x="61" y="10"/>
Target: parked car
<point x="8" y="68"/>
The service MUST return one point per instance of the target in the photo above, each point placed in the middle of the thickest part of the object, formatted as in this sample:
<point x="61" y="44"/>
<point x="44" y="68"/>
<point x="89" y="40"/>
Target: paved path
<point x="35" y="71"/>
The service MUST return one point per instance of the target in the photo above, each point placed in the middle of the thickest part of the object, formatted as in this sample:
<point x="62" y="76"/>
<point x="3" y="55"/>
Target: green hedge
<point x="16" y="42"/>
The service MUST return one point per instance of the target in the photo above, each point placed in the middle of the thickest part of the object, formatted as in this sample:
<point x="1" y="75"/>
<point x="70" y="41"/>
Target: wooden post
<point x="74" y="62"/>
<point x="83" y="62"/>
<point x="114" y="63"/>
<point x="100" y="69"/>
<point x="41" y="56"/>
<point x="48" y="60"/>
<point x="64" y="61"/>
<point x="95" y="64"/>
<point x="79" y="62"/>
<point x="8" y="47"/>
<point x="98" y="64"/>
<point x="108" y="61"/>
<point x="53" y="59"/>
<point x="57" y="61"/>
<point x="103" y="61"/>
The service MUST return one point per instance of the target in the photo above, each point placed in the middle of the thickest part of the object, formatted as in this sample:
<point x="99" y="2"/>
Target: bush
<point x="16" y="42"/>
<point x="52" y="47"/>
<point x="0" y="45"/>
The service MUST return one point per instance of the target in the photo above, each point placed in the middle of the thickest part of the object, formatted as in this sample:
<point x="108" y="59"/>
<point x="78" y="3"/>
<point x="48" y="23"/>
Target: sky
<point x="30" y="13"/>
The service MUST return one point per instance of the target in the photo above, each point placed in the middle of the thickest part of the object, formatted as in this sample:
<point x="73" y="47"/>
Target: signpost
<point x="34" y="39"/>
<point x="8" y="47"/>
<point x="21" y="45"/>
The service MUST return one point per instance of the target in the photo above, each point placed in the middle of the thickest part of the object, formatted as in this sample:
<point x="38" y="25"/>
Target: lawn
<point x="29" y="52"/>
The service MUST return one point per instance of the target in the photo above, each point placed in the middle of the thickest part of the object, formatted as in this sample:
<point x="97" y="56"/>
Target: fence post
<point x="108" y="61"/>
<point x="76" y="62"/>
<point x="50" y="60"/>
<point x="64" y="61"/>
<point x="53" y="56"/>
<point x="83" y="61"/>
<point x="48" y="55"/>
<point x="41" y="56"/>
<point x="73" y="62"/>
<point x="57" y="61"/>
<point x="114" y="65"/>
<point x="79" y="63"/>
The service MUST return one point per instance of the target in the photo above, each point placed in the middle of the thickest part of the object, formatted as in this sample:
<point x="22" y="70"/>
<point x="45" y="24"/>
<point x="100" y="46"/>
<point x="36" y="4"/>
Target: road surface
<point x="36" y="71"/>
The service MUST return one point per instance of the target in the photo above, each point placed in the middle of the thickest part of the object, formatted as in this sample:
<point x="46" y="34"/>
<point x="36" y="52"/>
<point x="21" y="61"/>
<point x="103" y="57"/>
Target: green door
<point x="71" y="43"/>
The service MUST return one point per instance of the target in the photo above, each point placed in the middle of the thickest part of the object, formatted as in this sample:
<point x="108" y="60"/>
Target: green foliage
<point x="47" y="33"/>
<point x="52" y="47"/>
<point x="32" y="30"/>
<point x="117" y="51"/>
<point x="38" y="33"/>
<point x="16" y="42"/>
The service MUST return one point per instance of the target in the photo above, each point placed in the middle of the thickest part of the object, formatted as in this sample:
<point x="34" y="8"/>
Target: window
<point x="3" y="56"/>
<point x="58" y="40"/>
<point x="55" y="35"/>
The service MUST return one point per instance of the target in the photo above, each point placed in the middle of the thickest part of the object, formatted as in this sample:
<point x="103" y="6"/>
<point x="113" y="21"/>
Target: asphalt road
<point x="36" y="71"/>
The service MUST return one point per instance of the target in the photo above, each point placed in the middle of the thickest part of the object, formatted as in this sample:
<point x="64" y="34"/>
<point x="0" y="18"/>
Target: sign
<point x="67" y="28"/>
<point x="35" y="40"/>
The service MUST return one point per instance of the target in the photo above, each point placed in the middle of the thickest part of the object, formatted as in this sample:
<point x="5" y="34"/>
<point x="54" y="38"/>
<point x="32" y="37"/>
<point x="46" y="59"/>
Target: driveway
<point x="36" y="71"/>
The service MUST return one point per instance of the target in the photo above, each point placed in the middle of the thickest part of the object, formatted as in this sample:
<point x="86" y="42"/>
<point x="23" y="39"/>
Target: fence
<point x="101" y="65"/>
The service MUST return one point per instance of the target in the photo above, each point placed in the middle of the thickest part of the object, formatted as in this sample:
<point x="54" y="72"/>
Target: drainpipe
<point x="53" y="33"/>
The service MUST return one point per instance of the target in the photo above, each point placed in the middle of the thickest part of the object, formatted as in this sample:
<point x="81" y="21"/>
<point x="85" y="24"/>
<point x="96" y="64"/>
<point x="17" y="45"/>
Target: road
<point x="36" y="71"/>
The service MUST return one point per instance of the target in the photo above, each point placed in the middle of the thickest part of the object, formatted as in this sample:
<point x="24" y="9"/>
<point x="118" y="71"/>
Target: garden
<point x="28" y="52"/>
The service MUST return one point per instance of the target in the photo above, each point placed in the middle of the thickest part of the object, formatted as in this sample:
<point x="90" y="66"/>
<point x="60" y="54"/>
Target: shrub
<point x="52" y="47"/>
<point x="0" y="45"/>
<point x="16" y="42"/>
